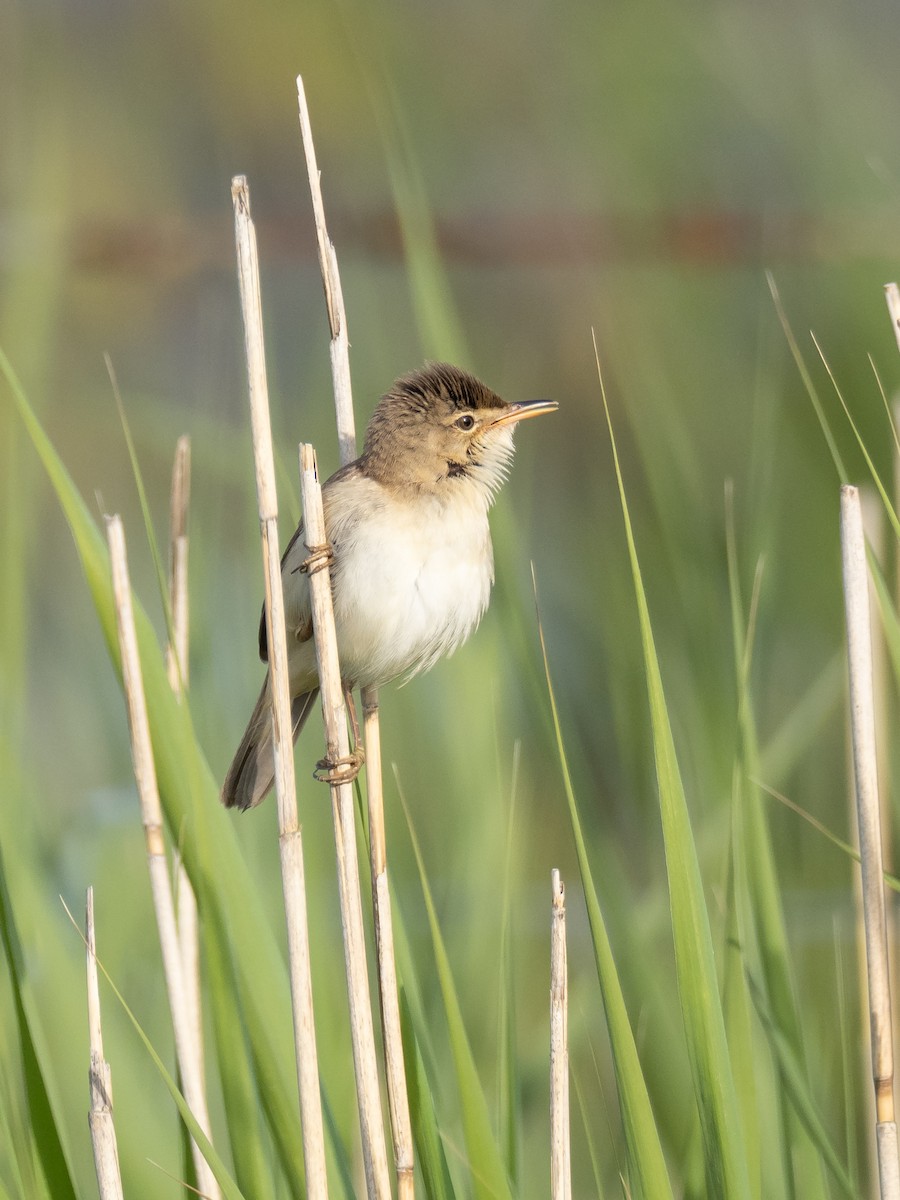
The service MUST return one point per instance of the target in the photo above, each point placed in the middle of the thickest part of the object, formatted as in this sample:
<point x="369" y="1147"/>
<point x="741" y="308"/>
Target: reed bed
<point x="707" y="999"/>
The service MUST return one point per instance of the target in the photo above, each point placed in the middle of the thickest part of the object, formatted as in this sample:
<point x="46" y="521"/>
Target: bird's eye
<point x="466" y="421"/>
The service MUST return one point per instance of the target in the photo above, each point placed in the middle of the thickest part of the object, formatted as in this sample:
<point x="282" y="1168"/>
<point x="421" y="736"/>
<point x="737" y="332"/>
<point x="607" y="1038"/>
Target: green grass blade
<point x="848" y="1067"/>
<point x="888" y="613"/>
<point x="508" y="1084"/>
<point x="736" y="1002"/>
<point x="45" y="1130"/>
<point x="762" y="928"/>
<point x="230" y="1189"/>
<point x="144" y="502"/>
<point x="757" y="900"/>
<point x="488" y="1173"/>
<point x="429" y="1148"/>
<point x="211" y="852"/>
<point x="440" y="329"/>
<point x="588" y="1124"/>
<point x="796" y="735"/>
<point x="807" y="379"/>
<point x="740" y="932"/>
<point x="873" y="470"/>
<point x="17" y="1151"/>
<point x="725" y="1154"/>
<point x="647" y="1168"/>
<point x="736" y="995"/>
<point x="793" y="1075"/>
<point x="241" y="1101"/>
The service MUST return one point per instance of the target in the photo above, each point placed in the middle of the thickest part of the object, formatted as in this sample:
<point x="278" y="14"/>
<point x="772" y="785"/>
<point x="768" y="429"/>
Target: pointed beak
<point x="523" y="410"/>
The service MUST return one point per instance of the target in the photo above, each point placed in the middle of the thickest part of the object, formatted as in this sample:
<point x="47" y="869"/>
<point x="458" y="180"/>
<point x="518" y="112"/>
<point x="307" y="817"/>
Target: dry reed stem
<point x="874" y="530"/>
<point x="289" y="837"/>
<point x="151" y="816"/>
<point x="179" y="505"/>
<point x="873" y="519"/>
<point x="334" y="296"/>
<point x="892" y="298"/>
<point x="862" y="723"/>
<point x="401" y="1125"/>
<point x="560" y="1159"/>
<point x="395" y="1070"/>
<point x="100" y="1119"/>
<point x="178" y="671"/>
<point x="337" y="743"/>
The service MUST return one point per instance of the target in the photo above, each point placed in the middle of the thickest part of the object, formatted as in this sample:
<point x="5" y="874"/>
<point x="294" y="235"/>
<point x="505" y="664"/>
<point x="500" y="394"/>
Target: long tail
<point x="252" y="771"/>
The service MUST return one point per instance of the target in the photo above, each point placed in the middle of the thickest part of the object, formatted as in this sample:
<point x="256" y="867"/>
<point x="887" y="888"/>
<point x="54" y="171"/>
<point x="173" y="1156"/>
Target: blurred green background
<point x="631" y="169"/>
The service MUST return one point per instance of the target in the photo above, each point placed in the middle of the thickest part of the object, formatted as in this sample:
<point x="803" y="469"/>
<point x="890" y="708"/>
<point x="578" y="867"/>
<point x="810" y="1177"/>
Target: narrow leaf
<point x="726" y="1163"/>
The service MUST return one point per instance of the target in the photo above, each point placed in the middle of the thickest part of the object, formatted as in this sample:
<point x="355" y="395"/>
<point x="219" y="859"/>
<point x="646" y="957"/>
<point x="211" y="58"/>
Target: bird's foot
<point x="319" y="558"/>
<point x="340" y="770"/>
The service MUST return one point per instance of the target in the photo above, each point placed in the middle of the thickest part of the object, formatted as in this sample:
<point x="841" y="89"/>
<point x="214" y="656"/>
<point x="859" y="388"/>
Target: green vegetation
<point x="499" y="183"/>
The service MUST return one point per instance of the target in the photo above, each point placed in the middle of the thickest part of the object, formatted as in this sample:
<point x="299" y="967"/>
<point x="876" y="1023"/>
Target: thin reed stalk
<point x="290" y="838"/>
<point x="892" y="298"/>
<point x="151" y="816"/>
<point x="179" y="506"/>
<point x="334" y="296"/>
<point x="862" y="723"/>
<point x="873" y="517"/>
<point x="177" y="658"/>
<point x="560" y="1155"/>
<point x="100" y="1119"/>
<point x="401" y="1125"/>
<point x="337" y="742"/>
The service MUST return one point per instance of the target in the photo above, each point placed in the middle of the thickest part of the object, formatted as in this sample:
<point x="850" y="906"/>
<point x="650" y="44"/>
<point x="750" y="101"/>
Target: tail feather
<point x="252" y="771"/>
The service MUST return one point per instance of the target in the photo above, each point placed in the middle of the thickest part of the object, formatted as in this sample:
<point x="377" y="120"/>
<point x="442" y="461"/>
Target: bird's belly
<point x="405" y="597"/>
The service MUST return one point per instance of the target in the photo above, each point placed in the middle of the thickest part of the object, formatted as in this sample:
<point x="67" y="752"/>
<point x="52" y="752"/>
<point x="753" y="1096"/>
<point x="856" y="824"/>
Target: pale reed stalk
<point x="560" y="1155"/>
<point x="151" y="816"/>
<point x="178" y="671"/>
<point x="290" y="839"/>
<point x="100" y="1119"/>
<point x="873" y="517"/>
<point x="337" y="743"/>
<point x="401" y="1125"/>
<point x="862" y="723"/>
<point x="334" y="296"/>
<point x="892" y="299"/>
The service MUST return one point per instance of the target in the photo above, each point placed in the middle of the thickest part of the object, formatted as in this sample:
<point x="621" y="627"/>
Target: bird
<point x="413" y="563"/>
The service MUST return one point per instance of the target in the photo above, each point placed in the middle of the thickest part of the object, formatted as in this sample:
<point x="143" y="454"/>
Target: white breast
<point x="411" y="582"/>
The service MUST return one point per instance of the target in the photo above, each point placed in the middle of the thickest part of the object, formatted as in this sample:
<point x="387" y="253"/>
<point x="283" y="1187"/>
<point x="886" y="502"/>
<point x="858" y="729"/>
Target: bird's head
<point x="440" y="425"/>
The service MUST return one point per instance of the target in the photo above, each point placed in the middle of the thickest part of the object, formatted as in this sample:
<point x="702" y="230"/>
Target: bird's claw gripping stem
<point x="340" y="770"/>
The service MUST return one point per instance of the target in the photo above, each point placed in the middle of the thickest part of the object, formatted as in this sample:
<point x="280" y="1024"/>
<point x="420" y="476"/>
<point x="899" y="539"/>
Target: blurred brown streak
<point x="570" y="239"/>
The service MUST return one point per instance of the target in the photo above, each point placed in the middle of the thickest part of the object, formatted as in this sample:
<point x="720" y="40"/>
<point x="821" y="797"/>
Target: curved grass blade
<point x="429" y="1147"/>
<point x="759" y="924"/>
<point x="890" y="623"/>
<point x="143" y="501"/>
<point x="796" y="735"/>
<point x="45" y="1129"/>
<point x="211" y="853"/>
<point x="230" y="1189"/>
<point x="508" y="1086"/>
<point x="807" y="378"/>
<point x="793" y="1076"/>
<point x="241" y="1101"/>
<point x="440" y="328"/>
<point x="873" y="470"/>
<point x="648" y="1177"/>
<point x="489" y="1180"/>
<point x="725" y="1155"/>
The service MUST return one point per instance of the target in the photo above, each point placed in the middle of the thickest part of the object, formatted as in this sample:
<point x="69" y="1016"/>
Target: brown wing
<point x="298" y="614"/>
